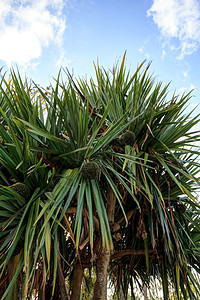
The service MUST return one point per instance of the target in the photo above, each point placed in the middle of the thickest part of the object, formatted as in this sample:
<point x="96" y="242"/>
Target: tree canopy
<point x="99" y="176"/>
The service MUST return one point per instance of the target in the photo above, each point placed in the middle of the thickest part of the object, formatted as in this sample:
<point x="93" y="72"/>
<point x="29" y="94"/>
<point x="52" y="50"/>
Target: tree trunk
<point x="10" y="268"/>
<point x="100" y="289"/>
<point x="76" y="282"/>
<point x="145" y="292"/>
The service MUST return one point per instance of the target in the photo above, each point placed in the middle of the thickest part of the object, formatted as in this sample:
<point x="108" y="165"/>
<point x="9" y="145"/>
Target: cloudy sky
<point x="40" y="36"/>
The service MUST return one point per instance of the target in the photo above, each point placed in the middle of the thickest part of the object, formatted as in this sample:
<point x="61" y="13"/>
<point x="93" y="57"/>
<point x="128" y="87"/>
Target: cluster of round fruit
<point x="90" y="170"/>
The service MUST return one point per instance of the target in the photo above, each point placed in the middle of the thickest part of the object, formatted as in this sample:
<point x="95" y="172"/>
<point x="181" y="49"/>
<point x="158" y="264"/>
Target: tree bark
<point x="145" y="292"/>
<point x="76" y="282"/>
<point x="100" y="289"/>
<point x="10" y="268"/>
<point x="118" y="254"/>
<point x="111" y="206"/>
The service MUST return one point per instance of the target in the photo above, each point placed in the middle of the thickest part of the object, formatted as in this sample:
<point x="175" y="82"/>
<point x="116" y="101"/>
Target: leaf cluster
<point x="48" y="136"/>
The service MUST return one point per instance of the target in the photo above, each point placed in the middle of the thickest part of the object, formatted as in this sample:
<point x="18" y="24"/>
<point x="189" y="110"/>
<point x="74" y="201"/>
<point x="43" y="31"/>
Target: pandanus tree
<point x="99" y="177"/>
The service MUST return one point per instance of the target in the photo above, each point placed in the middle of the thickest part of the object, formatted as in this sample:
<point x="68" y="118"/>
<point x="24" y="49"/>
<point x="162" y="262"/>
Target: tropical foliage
<point x="97" y="177"/>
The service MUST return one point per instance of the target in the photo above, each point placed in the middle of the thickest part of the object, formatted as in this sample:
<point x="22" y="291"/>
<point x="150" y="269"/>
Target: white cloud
<point x="141" y="49"/>
<point x="163" y="54"/>
<point x="192" y="87"/>
<point x="183" y="90"/>
<point x="185" y="74"/>
<point x="62" y="60"/>
<point x="179" y="19"/>
<point x="27" y="26"/>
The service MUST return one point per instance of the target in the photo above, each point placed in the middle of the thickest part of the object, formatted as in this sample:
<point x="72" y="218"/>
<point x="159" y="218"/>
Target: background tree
<point x="97" y="177"/>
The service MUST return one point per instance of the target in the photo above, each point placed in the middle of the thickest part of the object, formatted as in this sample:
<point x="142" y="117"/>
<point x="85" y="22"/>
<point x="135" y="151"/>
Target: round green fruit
<point x="128" y="138"/>
<point x="90" y="170"/>
<point x="22" y="189"/>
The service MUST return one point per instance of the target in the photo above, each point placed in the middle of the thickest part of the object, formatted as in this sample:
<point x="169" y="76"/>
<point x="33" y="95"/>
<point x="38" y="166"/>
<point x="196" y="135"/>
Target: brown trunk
<point x="100" y="289"/>
<point x="10" y="275"/>
<point x="145" y="292"/>
<point x="76" y="282"/>
<point x="111" y="206"/>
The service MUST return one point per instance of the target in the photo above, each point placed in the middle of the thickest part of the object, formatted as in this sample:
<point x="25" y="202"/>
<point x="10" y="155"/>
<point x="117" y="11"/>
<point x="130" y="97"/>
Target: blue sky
<point x="40" y="36"/>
